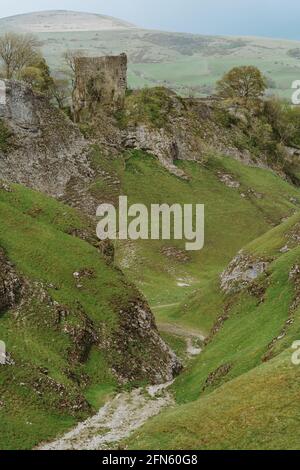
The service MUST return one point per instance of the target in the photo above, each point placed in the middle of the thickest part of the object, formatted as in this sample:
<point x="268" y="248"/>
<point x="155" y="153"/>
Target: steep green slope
<point x="257" y="411"/>
<point x="74" y="327"/>
<point x="234" y="217"/>
<point x="242" y="201"/>
<point x="232" y="399"/>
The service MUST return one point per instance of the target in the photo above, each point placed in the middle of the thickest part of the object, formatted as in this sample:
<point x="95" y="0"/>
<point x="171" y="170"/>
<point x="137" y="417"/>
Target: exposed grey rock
<point x="292" y="151"/>
<point x="10" y="284"/>
<point x="138" y="329"/>
<point x="295" y="273"/>
<point x="47" y="151"/>
<point x="228" y="180"/>
<point x="179" y="136"/>
<point x="160" y="143"/>
<point x="242" y="270"/>
<point x="217" y="375"/>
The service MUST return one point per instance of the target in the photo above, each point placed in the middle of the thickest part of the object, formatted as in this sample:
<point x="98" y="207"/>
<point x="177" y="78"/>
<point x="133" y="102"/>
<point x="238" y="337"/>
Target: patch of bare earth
<point x="116" y="420"/>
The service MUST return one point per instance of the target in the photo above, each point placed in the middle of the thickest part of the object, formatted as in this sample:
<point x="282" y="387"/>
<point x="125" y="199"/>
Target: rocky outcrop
<point x="10" y="284"/>
<point x="171" y="133"/>
<point x="46" y="151"/>
<point x="294" y="278"/>
<point x="242" y="271"/>
<point x="217" y="375"/>
<point x="174" y="128"/>
<point x="134" y="349"/>
<point x="228" y="180"/>
<point x="157" y="142"/>
<point x="138" y="332"/>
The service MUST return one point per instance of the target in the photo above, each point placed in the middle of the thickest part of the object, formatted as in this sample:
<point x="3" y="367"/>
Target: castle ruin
<point x="99" y="82"/>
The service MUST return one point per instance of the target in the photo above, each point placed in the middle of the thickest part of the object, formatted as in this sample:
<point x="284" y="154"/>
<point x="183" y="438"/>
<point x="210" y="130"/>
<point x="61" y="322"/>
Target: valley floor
<point x="127" y="411"/>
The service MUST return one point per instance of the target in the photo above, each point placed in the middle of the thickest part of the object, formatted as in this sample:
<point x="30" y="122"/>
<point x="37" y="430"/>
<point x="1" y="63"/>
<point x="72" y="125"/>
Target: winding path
<point x="127" y="411"/>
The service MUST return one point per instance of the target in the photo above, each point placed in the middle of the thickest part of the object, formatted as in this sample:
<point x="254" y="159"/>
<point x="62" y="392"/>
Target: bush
<point x="150" y="105"/>
<point x="285" y="121"/>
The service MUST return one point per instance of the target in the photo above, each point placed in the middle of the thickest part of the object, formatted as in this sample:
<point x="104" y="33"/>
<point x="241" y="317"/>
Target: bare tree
<point x="69" y="58"/>
<point x="60" y="91"/>
<point x="16" y="52"/>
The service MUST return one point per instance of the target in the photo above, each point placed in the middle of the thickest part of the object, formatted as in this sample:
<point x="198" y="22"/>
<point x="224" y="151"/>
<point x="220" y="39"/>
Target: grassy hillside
<point x="242" y="391"/>
<point x="258" y="410"/>
<point x="165" y="273"/>
<point x="65" y="334"/>
<point x="78" y="325"/>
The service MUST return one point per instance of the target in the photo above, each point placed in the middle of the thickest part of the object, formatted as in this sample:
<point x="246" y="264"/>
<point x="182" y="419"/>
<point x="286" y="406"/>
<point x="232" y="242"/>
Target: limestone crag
<point x="242" y="270"/>
<point x="46" y="151"/>
<point x="10" y="284"/>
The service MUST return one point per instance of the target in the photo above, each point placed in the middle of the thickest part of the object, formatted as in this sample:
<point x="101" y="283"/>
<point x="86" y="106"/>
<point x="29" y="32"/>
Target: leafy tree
<point x="245" y="82"/>
<point x="17" y="51"/>
<point x="37" y="74"/>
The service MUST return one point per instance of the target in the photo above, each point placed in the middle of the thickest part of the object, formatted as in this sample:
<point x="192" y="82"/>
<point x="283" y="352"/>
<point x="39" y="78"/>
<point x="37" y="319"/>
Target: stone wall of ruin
<point x="99" y="82"/>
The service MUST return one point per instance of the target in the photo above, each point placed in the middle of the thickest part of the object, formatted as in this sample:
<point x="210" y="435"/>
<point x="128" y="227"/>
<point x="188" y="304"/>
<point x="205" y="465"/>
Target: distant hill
<point x="62" y="21"/>
<point x="186" y="63"/>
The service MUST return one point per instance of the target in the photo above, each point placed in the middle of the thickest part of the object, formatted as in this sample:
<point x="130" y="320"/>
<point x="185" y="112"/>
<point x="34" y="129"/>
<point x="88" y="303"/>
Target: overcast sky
<point x="273" y="18"/>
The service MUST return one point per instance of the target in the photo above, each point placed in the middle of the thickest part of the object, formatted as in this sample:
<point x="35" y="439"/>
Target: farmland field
<point x="184" y="62"/>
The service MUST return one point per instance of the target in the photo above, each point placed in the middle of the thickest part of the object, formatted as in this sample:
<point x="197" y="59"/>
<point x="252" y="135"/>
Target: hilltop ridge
<point x="62" y="21"/>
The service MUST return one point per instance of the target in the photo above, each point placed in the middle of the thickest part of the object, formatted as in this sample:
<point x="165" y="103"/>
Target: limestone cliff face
<point x="165" y="146"/>
<point x="165" y="125"/>
<point x="173" y="128"/>
<point x="46" y="150"/>
<point x="242" y="271"/>
<point x="138" y="331"/>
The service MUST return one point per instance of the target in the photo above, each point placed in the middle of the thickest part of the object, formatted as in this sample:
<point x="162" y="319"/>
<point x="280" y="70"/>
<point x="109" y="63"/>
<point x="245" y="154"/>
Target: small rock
<point x="228" y="180"/>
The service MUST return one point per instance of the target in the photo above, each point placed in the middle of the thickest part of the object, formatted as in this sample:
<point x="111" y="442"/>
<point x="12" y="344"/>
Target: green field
<point x="189" y="64"/>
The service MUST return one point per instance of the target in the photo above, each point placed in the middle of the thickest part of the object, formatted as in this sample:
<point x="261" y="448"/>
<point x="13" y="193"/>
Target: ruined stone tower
<point x="99" y="82"/>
